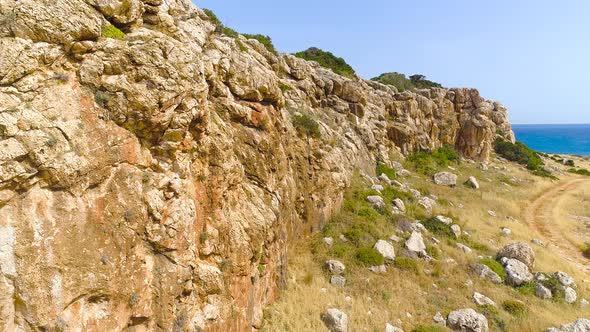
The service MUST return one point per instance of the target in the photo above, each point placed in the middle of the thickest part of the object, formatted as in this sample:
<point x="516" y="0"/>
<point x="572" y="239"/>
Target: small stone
<point x="328" y="241"/>
<point x="377" y="187"/>
<point x="383" y="177"/>
<point x="506" y="231"/>
<point x="564" y="278"/>
<point x="472" y="182"/>
<point x="377" y="202"/>
<point x="584" y="302"/>
<point x="338" y="280"/>
<point x="456" y="229"/>
<point x="335" y="266"/>
<point x="391" y="328"/>
<point x="378" y="269"/>
<point x="385" y="249"/>
<point x="444" y="220"/>
<point x="415" y="243"/>
<point x="492" y="213"/>
<point x="395" y="238"/>
<point x="335" y="320"/>
<point x="538" y="242"/>
<point x="468" y="283"/>
<point x="439" y="319"/>
<point x="445" y="179"/>
<point x="464" y="248"/>
<point x="427" y="203"/>
<point x="398" y="203"/>
<point x="481" y="299"/>
<point x="570" y="295"/>
<point x="467" y="320"/>
<point x="542" y="292"/>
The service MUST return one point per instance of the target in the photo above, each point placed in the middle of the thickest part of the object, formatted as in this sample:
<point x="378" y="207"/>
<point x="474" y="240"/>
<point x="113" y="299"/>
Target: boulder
<point x="519" y="251"/>
<point x="467" y="320"/>
<point x="580" y="325"/>
<point x="335" y="320"/>
<point x="481" y="299"/>
<point x="542" y="292"/>
<point x="335" y="266"/>
<point x="445" y="179"/>
<point x="385" y="249"/>
<point x="472" y="182"/>
<point x="570" y="295"/>
<point x="377" y="202"/>
<point x="517" y="273"/>
<point x="416" y="244"/>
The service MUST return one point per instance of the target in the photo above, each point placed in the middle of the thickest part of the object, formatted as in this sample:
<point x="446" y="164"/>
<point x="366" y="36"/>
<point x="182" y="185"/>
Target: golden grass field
<point x="531" y="206"/>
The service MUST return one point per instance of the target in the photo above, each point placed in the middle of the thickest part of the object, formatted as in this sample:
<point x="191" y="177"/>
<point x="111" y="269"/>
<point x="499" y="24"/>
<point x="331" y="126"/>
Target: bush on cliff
<point x="403" y="83"/>
<point x="306" y="125"/>
<point x="327" y="60"/>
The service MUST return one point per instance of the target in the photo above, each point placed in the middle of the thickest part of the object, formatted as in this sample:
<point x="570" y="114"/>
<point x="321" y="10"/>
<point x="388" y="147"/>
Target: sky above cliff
<point x="531" y="55"/>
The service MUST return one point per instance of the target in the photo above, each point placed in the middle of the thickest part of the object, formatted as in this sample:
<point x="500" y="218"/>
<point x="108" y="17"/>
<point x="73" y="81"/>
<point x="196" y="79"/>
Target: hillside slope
<point x="151" y="178"/>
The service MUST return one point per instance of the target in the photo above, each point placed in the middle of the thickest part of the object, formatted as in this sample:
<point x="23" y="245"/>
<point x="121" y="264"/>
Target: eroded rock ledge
<point x="153" y="183"/>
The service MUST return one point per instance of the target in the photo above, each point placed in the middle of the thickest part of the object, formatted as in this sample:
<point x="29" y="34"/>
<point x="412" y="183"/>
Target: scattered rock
<point x="444" y="220"/>
<point x="328" y="241"/>
<point x="484" y="167"/>
<point x="377" y="187"/>
<point x="464" y="248"/>
<point x="395" y="238"/>
<point x="439" y="319"/>
<point x="335" y="266"/>
<point x="472" y="182"/>
<point x="519" y="251"/>
<point x="427" y="203"/>
<point x="383" y="177"/>
<point x="570" y="295"/>
<point x="445" y="179"/>
<point x="398" y="203"/>
<point x="467" y="320"/>
<point x="492" y="213"/>
<point x="538" y="242"/>
<point x="338" y="280"/>
<point x="481" y="299"/>
<point x="580" y="325"/>
<point x="584" y="302"/>
<point x="385" y="249"/>
<point x="456" y="229"/>
<point x="564" y="278"/>
<point x="416" y="244"/>
<point x="517" y="273"/>
<point x="415" y="193"/>
<point x="377" y="202"/>
<point x="378" y="269"/>
<point x="335" y="320"/>
<point x="542" y="292"/>
<point x="506" y="231"/>
<point x="391" y="328"/>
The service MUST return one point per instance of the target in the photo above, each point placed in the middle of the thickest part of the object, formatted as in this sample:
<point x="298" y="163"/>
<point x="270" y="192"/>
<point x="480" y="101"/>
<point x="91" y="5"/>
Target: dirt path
<point x="541" y="214"/>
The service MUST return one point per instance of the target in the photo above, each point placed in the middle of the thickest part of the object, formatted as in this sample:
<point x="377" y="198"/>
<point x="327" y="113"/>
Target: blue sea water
<point x="565" y="139"/>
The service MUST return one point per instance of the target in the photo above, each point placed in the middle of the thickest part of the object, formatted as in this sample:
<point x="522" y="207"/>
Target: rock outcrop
<point x="152" y="182"/>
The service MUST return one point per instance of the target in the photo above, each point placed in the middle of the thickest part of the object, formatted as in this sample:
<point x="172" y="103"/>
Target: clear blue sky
<point x="531" y="55"/>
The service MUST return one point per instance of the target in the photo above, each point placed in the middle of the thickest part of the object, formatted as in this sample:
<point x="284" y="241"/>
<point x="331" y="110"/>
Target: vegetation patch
<point x="384" y="169"/>
<point x="369" y="257"/>
<point x="327" y="60"/>
<point x="111" y="31"/>
<point x="212" y="16"/>
<point x="429" y="328"/>
<point x="306" y="125"/>
<point x="429" y="163"/>
<point x="494" y="266"/>
<point x="556" y="289"/>
<point x="264" y="40"/>
<point x="435" y="226"/>
<point x="528" y="288"/>
<point x="579" y="171"/>
<point x="515" y="308"/>
<point x="522" y="154"/>
<point x="403" y="83"/>
<point x="406" y="263"/>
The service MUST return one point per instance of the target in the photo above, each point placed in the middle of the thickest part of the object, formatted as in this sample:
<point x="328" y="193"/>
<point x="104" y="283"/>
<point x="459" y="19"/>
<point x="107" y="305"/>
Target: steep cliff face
<point x="153" y="182"/>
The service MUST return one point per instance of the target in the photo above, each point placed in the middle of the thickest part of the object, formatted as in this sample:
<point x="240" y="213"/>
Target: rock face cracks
<point x="153" y="182"/>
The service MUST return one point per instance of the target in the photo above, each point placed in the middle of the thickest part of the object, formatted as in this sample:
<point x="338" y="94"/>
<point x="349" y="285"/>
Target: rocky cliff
<point x="153" y="182"/>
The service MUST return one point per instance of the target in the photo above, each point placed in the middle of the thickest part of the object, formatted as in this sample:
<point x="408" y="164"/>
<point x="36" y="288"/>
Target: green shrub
<point x="339" y="250"/>
<point x="285" y="87"/>
<point x="528" y="288"/>
<point x="514" y="308"/>
<point x="264" y="40"/>
<point x="369" y="257"/>
<point x="494" y="266"/>
<point x="522" y="154"/>
<point x="405" y="263"/>
<point x="556" y="289"/>
<point x="402" y="83"/>
<point x="241" y="46"/>
<point x="580" y="171"/>
<point x="384" y="169"/>
<point x="111" y="31"/>
<point x="432" y="251"/>
<point x="430" y="163"/>
<point x="212" y="16"/>
<point x="306" y="125"/>
<point x="436" y="227"/>
<point x="429" y="328"/>
<point x="230" y="32"/>
<point x="389" y="193"/>
<point x="327" y="60"/>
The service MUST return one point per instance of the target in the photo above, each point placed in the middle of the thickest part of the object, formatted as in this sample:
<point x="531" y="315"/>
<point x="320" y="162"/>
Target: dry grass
<point x="377" y="299"/>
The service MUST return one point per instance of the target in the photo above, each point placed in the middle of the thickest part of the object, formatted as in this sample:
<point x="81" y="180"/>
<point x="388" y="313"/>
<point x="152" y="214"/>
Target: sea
<point x="555" y="138"/>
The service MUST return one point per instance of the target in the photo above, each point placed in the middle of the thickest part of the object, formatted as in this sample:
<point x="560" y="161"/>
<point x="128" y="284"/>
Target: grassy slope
<point x="388" y="297"/>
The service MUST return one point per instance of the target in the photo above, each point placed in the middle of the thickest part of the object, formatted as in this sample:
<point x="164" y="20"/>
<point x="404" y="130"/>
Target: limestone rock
<point x="467" y="320"/>
<point x="398" y="203"/>
<point x="338" y="280"/>
<point x="464" y="248"/>
<point x="542" y="292"/>
<point x="481" y="299"/>
<point x="335" y="266"/>
<point x="385" y="249"/>
<point x="377" y="202"/>
<point x="416" y="244"/>
<point x="472" y="182"/>
<point x="580" y="325"/>
<point x="445" y="179"/>
<point x="519" y="251"/>
<point x="517" y="273"/>
<point x="391" y="328"/>
<point x="444" y="220"/>
<point x="456" y="229"/>
<point x="335" y="320"/>
<point x="563" y="278"/>
<point x="570" y="295"/>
